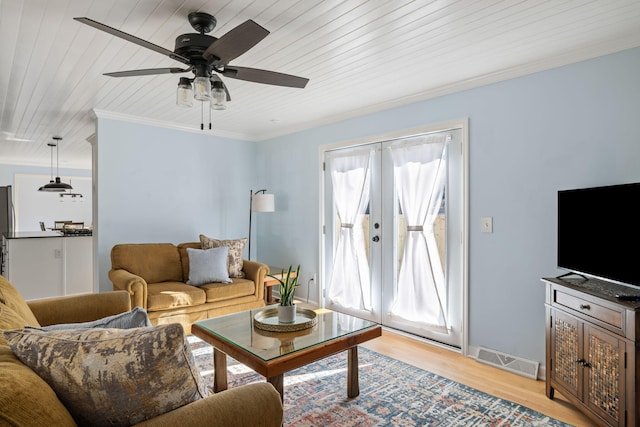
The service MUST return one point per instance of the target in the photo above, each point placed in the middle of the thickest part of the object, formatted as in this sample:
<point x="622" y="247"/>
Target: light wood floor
<point x="466" y="370"/>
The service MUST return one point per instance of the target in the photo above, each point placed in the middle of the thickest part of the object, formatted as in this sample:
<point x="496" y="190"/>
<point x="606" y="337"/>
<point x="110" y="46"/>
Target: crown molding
<point x="105" y="114"/>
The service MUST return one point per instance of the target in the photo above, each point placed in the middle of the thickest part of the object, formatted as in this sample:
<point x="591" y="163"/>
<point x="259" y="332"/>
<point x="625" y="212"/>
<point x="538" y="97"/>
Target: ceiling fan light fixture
<point x="184" y="94"/>
<point x="202" y="89"/>
<point x="218" y="96"/>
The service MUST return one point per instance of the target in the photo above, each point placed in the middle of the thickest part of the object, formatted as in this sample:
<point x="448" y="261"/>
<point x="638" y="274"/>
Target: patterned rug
<point x="392" y="393"/>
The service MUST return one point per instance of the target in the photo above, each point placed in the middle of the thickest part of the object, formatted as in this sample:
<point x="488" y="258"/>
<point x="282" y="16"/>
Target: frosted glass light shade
<point x="202" y="89"/>
<point x="262" y="203"/>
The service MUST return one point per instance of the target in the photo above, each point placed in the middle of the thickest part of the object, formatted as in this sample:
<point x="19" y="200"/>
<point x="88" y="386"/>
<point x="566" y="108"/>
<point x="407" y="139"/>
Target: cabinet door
<point x="78" y="265"/>
<point x="604" y="374"/>
<point x="566" y="345"/>
<point x="35" y="267"/>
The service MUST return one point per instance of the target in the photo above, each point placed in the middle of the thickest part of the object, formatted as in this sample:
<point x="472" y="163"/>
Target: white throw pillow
<point x="208" y="265"/>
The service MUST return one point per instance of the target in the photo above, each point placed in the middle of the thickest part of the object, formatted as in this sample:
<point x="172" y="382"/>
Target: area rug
<point x="392" y="393"/>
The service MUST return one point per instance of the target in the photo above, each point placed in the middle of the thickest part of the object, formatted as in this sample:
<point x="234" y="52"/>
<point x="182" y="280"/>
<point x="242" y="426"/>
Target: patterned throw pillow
<point x="236" y="248"/>
<point x="113" y="377"/>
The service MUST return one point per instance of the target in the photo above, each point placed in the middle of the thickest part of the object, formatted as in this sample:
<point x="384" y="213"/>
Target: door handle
<point x="375" y="238"/>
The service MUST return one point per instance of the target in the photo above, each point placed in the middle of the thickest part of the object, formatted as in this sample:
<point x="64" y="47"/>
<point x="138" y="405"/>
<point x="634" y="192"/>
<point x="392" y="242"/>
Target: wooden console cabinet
<point x="593" y="348"/>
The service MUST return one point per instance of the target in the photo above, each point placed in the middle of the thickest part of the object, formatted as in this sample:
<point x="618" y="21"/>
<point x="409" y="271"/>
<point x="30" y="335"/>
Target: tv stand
<point x="593" y="348"/>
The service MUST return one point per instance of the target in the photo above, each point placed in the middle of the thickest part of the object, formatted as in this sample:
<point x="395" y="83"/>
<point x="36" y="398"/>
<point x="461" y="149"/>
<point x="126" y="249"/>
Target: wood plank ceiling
<point x="361" y="56"/>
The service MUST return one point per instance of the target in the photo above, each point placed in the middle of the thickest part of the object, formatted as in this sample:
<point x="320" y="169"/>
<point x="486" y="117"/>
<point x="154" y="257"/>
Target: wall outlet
<point x="310" y="283"/>
<point x="487" y="224"/>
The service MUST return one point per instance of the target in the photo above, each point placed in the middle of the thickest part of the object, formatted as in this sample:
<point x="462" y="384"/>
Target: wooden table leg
<point x="353" y="388"/>
<point x="278" y="383"/>
<point x="219" y="370"/>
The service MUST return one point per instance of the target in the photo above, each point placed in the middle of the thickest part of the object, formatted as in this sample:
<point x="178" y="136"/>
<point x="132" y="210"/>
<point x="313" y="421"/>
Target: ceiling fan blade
<point x="235" y="42"/>
<point x="147" y="72"/>
<point x="133" y="39"/>
<point x="263" y="76"/>
<point x="218" y="79"/>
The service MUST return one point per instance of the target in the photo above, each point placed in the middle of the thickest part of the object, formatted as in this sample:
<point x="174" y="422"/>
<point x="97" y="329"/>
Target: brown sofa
<point x="155" y="276"/>
<point x="27" y="400"/>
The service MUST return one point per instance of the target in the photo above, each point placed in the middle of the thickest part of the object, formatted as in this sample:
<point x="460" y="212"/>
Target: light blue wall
<point x="573" y="126"/>
<point x="569" y="127"/>
<point x="163" y="185"/>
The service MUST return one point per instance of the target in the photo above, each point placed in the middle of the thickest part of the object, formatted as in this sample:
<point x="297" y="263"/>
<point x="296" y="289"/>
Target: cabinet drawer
<point x="610" y="316"/>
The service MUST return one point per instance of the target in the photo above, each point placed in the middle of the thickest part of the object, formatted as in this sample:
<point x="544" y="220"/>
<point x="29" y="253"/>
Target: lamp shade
<point x="262" y="203"/>
<point x="56" y="186"/>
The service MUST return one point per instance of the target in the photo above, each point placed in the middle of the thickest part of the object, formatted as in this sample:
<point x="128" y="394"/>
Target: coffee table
<point x="271" y="354"/>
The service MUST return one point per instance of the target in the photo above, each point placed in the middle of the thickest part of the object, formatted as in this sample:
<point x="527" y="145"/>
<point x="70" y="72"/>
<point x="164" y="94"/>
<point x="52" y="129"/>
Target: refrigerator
<point x="7" y="221"/>
<point x="6" y="210"/>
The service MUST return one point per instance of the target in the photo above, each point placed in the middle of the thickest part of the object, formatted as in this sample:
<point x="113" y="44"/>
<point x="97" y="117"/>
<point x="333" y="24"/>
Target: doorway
<point x="394" y="231"/>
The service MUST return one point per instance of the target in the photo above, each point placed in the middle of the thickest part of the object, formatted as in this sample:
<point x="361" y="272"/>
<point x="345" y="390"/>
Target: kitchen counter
<point x="32" y="234"/>
<point x="41" y="234"/>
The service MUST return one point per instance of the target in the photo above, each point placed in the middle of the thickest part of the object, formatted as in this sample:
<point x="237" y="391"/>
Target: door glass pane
<point x="384" y="232"/>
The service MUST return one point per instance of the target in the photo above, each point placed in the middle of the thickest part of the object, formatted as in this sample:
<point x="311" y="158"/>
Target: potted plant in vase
<point x="288" y="285"/>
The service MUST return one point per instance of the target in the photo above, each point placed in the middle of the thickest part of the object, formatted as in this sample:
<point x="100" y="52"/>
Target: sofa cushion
<point x="10" y="297"/>
<point x="113" y="377"/>
<point x="184" y="257"/>
<point x="236" y="249"/>
<point x="9" y="319"/>
<point x="24" y="396"/>
<point x="208" y="265"/>
<point x="167" y="295"/>
<point x="136" y="318"/>
<point x="220" y="292"/>
<point x="154" y="262"/>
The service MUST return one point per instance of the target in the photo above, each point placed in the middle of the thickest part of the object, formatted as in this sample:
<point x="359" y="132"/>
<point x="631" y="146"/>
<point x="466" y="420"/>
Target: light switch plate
<point x="487" y="224"/>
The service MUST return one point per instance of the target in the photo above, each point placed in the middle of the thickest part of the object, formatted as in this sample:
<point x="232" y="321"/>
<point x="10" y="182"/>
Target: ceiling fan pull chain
<point x="201" y="116"/>
<point x="209" y="118"/>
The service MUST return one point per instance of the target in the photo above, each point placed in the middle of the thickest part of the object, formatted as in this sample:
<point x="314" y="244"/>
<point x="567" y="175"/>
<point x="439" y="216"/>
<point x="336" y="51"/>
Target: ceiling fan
<point x="205" y="56"/>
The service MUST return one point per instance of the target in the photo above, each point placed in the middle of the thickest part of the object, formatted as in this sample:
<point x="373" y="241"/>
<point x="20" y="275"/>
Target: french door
<point x="393" y="233"/>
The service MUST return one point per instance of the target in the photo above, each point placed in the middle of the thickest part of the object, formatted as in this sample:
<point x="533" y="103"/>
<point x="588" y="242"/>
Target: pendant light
<point x="57" y="185"/>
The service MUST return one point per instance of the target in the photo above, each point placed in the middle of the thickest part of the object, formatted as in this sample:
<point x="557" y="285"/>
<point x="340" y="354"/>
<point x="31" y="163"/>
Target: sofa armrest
<point x="79" y="308"/>
<point x="256" y="271"/>
<point x="256" y="405"/>
<point x="136" y="286"/>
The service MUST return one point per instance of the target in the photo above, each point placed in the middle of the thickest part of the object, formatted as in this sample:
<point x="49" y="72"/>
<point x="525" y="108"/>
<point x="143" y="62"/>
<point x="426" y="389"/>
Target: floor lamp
<point x="259" y="201"/>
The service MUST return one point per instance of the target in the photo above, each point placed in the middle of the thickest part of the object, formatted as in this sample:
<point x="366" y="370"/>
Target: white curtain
<point x="420" y="175"/>
<point x="349" y="285"/>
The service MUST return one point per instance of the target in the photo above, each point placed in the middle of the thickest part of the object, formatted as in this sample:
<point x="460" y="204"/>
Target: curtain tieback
<point x="346" y="225"/>
<point x="414" y="228"/>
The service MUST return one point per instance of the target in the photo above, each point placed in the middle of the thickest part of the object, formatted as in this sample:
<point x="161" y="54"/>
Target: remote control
<point x="629" y="297"/>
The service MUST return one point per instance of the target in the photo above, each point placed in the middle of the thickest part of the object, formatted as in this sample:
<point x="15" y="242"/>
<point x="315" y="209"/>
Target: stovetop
<point x="77" y="232"/>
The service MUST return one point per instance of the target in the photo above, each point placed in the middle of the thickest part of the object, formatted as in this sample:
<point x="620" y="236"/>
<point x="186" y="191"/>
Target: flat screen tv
<point x="599" y="232"/>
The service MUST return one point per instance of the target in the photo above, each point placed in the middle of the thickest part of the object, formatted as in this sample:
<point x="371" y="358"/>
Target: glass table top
<point x="239" y="329"/>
